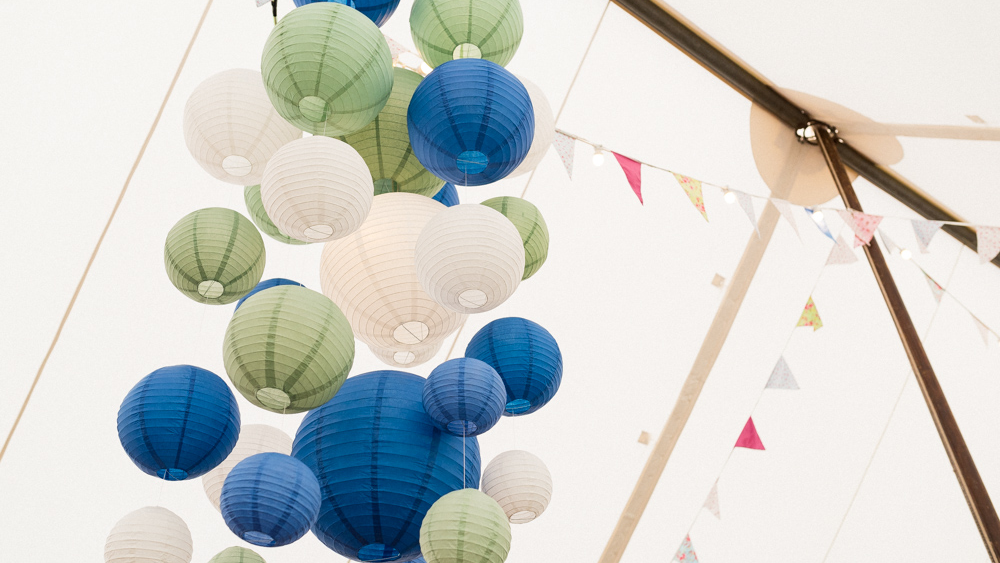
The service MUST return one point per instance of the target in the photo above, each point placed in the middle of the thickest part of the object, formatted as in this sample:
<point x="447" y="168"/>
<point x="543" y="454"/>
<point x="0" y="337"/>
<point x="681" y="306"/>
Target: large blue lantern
<point x="464" y="396"/>
<point x="266" y="284"/>
<point x="527" y="359"/>
<point x="179" y="422"/>
<point x="471" y="122"/>
<point x="376" y="10"/>
<point x="381" y="464"/>
<point x="270" y="499"/>
<point x="447" y="195"/>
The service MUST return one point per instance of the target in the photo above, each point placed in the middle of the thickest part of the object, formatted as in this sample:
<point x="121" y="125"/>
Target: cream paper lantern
<point x="371" y="276"/>
<point x="545" y="129"/>
<point x="407" y="358"/>
<point x="520" y="483"/>
<point x="470" y="258"/>
<point x="149" y="535"/>
<point x="254" y="439"/>
<point x="317" y="189"/>
<point x="232" y="129"/>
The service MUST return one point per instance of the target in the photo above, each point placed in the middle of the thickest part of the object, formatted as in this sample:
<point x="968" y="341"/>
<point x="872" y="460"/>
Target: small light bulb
<point x="905" y="254"/>
<point x="818" y="216"/>
<point x="598" y="157"/>
<point x="730" y="197"/>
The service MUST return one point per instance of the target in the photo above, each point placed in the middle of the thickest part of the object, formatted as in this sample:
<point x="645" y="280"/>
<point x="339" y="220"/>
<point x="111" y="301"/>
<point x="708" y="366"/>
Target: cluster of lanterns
<point x="385" y="465"/>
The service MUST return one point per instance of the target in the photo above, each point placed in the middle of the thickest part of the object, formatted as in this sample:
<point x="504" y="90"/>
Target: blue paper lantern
<point x="447" y="195"/>
<point x="527" y="359"/>
<point x="464" y="396"/>
<point x="376" y="10"/>
<point x="471" y="122"/>
<point x="179" y="422"/>
<point x="266" y="284"/>
<point x="270" y="499"/>
<point x="381" y="464"/>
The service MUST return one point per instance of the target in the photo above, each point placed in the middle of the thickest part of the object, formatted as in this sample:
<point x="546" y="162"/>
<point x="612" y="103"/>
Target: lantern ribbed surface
<point x="270" y="499"/>
<point x="464" y="527"/>
<point x="378" y="11"/>
<point x="407" y="358"/>
<point x="327" y="69"/>
<point x="381" y="464"/>
<point x="151" y="534"/>
<point x="317" y="189"/>
<point x="530" y="225"/>
<point x="464" y="396"/>
<point x="236" y="555"/>
<point x="527" y="359"/>
<point x="443" y="30"/>
<point x="232" y="129"/>
<point x="254" y="439"/>
<point x="179" y="422"/>
<point x="288" y="349"/>
<point x="471" y="122"/>
<point x="447" y="195"/>
<point x="266" y="284"/>
<point x="520" y="483"/>
<point x="545" y="129"/>
<point x="469" y="258"/>
<point x="371" y="276"/>
<point x="214" y="255"/>
<point x="385" y="144"/>
<point x="255" y="207"/>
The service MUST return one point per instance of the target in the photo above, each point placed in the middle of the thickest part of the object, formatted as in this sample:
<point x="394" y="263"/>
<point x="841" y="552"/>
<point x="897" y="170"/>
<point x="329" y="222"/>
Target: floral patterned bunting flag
<point x="987" y="243"/>
<point x="820" y="223"/>
<point x="925" y="231"/>
<point x="692" y="188"/>
<point x="936" y="288"/>
<point x="685" y="553"/>
<point x="810" y="316"/>
<point x="566" y="149"/>
<point x="862" y="224"/>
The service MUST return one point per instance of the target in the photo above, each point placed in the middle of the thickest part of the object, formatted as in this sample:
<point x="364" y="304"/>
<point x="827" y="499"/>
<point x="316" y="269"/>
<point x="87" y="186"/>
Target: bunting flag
<point x="925" y="231"/>
<point x="781" y="377"/>
<point x="685" y="553"/>
<point x="987" y="243"/>
<point x="692" y="188"/>
<point x="936" y="288"/>
<point x="749" y="438"/>
<point x="820" y="224"/>
<point x="633" y="171"/>
<point x="566" y="149"/>
<point x="263" y="3"/>
<point x="746" y="202"/>
<point x="841" y="253"/>
<point x="984" y="330"/>
<point x="712" y="501"/>
<point x="810" y="316"/>
<point x="395" y="47"/>
<point x="890" y="245"/>
<point x="862" y="224"/>
<point x="785" y="209"/>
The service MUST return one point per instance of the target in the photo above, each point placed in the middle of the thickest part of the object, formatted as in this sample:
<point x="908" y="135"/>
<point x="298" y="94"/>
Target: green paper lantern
<point x="288" y="349"/>
<point x="237" y="555"/>
<point x="327" y="69"/>
<point x="214" y="256"/>
<point x="255" y="207"/>
<point x="465" y="526"/>
<point x="385" y="144"/>
<point x="530" y="225"/>
<point x="444" y="30"/>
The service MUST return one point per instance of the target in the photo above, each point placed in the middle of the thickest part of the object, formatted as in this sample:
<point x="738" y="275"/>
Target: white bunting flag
<point x="987" y="243"/>
<point x="936" y="288"/>
<point x="841" y="253"/>
<point x="925" y="231"/>
<point x="263" y="3"/>
<point x="781" y="377"/>
<point x="786" y="211"/>
<point x="746" y="202"/>
<point x="712" y="501"/>
<point x="984" y="331"/>
<point x="566" y="149"/>
<point x="890" y="245"/>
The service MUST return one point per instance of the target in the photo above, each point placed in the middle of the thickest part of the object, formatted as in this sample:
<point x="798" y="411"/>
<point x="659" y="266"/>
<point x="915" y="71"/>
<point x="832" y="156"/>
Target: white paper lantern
<point x="149" y="535"/>
<point x="470" y="258"/>
<point x="254" y="439"/>
<point x="232" y="129"/>
<point x="545" y="129"/>
<point x="520" y="483"/>
<point x="407" y="358"/>
<point x="317" y="189"/>
<point x="371" y="276"/>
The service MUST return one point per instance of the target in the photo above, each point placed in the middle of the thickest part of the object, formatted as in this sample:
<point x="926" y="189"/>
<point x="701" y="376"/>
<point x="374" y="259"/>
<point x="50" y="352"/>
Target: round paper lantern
<point x="527" y="359"/>
<point x="371" y="276"/>
<point x="378" y="11"/>
<point x="385" y="143"/>
<point x="530" y="225"/>
<point x="447" y="195"/>
<point x="407" y="358"/>
<point x="149" y="535"/>
<point x="214" y="255"/>
<point x="317" y="189"/>
<point x="266" y="284"/>
<point x="469" y="258"/>
<point x="231" y="127"/>
<point x="465" y="526"/>
<point x="545" y="129"/>
<point x="381" y="464"/>
<point x="520" y="483"/>
<point x="179" y="422"/>
<point x="270" y="499"/>
<point x="254" y="439"/>
<point x="464" y="396"/>
<point x="288" y="349"/>
<point x="236" y="555"/>
<point x="327" y="69"/>
<point x="471" y="122"/>
<point x="443" y="30"/>
<point x="255" y="207"/>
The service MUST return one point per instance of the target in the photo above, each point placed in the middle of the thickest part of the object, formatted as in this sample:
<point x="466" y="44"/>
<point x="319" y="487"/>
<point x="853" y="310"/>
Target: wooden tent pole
<point x="951" y="436"/>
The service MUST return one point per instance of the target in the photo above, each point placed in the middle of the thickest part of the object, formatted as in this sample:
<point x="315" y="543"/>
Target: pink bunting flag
<point x="692" y="188"/>
<point x="746" y="202"/>
<point x="925" y="231"/>
<point x="936" y="288"/>
<point x="785" y="209"/>
<point x="566" y="149"/>
<point x="810" y="316"/>
<point x="712" y="501"/>
<point x="685" y="553"/>
<point x="781" y="377"/>
<point x="633" y="171"/>
<point x="395" y="47"/>
<point x="841" y="253"/>
<point x="984" y="331"/>
<point x="749" y="438"/>
<point x="862" y="224"/>
<point x="987" y="243"/>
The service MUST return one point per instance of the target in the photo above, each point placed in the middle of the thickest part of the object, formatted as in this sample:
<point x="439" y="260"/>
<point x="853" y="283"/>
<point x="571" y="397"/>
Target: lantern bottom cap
<point x="378" y="552"/>
<point x="404" y="358"/>
<point x="467" y="51"/>
<point x="522" y="517"/>
<point x="210" y="289"/>
<point x="462" y="427"/>
<point x="385" y="186"/>
<point x="258" y="538"/>
<point x="172" y="474"/>
<point x="318" y="232"/>
<point x="411" y="332"/>
<point x="516" y="407"/>
<point x="471" y="162"/>
<point x="314" y="109"/>
<point x="472" y="298"/>
<point x="273" y="398"/>
<point x="236" y="165"/>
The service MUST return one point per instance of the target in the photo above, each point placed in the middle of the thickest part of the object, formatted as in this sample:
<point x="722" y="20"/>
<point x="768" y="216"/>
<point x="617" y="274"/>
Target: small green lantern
<point x="444" y="30"/>
<point x="214" y="256"/>
<point x="236" y="555"/>
<point x="530" y="225"/>
<point x="255" y="207"/>
<point x="465" y="525"/>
